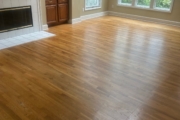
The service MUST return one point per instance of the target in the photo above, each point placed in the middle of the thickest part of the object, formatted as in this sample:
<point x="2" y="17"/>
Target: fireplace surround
<point x="26" y="28"/>
<point x="15" y="18"/>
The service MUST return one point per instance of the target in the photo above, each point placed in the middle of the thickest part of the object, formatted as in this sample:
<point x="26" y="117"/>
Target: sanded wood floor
<point x="106" y="68"/>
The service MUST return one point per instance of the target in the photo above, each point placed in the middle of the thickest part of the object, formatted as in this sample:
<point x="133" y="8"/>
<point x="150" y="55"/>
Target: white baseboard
<point x="74" y="21"/>
<point x="123" y="15"/>
<point x="147" y="19"/>
<point x="86" y="17"/>
<point x="45" y="27"/>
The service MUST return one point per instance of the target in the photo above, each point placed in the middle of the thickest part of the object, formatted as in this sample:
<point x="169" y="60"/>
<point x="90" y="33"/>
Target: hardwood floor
<point x="106" y="68"/>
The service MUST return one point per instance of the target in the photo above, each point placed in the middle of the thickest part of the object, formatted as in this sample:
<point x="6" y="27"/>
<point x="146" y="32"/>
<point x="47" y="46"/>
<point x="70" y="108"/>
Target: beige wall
<point x="44" y="20"/>
<point x="103" y="8"/>
<point x="78" y="5"/>
<point x="173" y="16"/>
<point x="76" y="10"/>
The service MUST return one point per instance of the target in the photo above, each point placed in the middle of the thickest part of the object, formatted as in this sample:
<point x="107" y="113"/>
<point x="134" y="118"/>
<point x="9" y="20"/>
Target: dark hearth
<point x="15" y="18"/>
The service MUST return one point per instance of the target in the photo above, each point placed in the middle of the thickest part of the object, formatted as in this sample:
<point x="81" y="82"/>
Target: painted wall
<point x="76" y="10"/>
<point x="103" y="8"/>
<point x="78" y="5"/>
<point x="173" y="16"/>
<point x="44" y="20"/>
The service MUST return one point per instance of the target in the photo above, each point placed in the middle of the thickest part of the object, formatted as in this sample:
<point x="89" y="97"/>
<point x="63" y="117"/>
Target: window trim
<point x="92" y="8"/>
<point x="152" y="6"/>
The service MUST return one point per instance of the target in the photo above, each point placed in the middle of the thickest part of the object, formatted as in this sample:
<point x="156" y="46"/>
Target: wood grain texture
<point x="51" y="11"/>
<point x="63" y="12"/>
<point x="57" y="12"/>
<point x="106" y="68"/>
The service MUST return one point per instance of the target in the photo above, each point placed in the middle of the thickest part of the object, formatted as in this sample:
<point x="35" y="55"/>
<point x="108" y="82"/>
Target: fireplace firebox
<point x="15" y="18"/>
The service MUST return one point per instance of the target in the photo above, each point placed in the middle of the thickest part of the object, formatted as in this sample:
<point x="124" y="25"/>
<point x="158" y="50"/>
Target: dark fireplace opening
<point x="15" y="18"/>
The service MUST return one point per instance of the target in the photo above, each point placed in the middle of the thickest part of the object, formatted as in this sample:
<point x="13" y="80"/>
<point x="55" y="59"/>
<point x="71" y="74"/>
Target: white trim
<point x="152" y="3"/>
<point x="93" y="8"/>
<point x="74" y="21"/>
<point x="45" y="27"/>
<point x="123" y="15"/>
<point x="119" y="2"/>
<point x="85" y="17"/>
<point x="146" y="8"/>
<point x="142" y="18"/>
<point x="152" y="6"/>
<point x="40" y="14"/>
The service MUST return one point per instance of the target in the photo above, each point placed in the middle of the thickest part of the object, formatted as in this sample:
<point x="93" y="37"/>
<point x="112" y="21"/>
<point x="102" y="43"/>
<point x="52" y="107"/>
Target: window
<point x="158" y="5"/>
<point x="163" y="4"/>
<point x="143" y="3"/>
<point x="125" y="2"/>
<point x="92" y="4"/>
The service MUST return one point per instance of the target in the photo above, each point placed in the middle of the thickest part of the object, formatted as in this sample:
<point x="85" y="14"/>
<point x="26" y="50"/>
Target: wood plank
<point x="106" y="68"/>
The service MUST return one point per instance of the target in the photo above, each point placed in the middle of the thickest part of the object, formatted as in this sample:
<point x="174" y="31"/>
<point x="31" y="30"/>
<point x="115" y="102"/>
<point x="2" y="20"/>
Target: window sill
<point x="87" y="9"/>
<point x="145" y="8"/>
